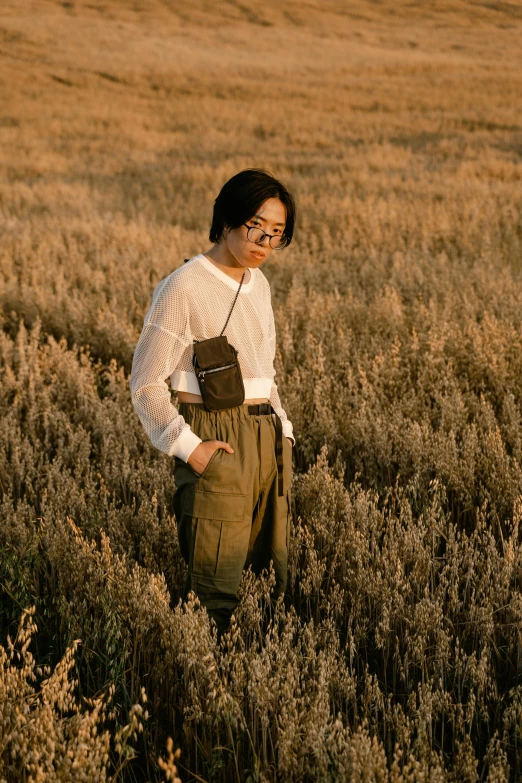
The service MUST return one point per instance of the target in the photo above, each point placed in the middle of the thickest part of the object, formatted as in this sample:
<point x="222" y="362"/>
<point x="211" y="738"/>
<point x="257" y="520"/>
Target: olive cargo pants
<point x="231" y="515"/>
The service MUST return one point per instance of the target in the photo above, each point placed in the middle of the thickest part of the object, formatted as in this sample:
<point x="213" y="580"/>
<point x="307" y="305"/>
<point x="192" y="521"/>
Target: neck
<point x="221" y="256"/>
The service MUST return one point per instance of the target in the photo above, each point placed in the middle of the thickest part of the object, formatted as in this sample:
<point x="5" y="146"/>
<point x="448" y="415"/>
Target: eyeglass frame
<point x="270" y="236"/>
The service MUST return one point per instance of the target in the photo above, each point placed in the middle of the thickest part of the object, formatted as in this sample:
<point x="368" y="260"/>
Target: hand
<point x="201" y="455"/>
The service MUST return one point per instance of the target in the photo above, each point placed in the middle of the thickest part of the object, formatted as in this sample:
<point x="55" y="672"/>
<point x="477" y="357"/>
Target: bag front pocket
<point x="222" y="387"/>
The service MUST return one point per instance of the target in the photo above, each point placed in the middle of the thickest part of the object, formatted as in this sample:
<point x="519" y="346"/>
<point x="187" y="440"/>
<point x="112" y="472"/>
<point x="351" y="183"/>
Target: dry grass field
<point x="397" y="654"/>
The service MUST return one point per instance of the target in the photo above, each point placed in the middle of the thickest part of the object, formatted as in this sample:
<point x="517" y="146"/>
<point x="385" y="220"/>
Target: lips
<point x="259" y="256"/>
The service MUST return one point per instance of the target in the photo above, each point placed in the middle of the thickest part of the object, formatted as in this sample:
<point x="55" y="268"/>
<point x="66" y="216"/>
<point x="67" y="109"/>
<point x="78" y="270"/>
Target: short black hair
<point x="240" y="198"/>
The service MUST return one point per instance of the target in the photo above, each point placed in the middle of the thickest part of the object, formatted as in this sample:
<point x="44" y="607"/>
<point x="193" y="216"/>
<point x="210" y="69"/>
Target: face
<point x="271" y="217"/>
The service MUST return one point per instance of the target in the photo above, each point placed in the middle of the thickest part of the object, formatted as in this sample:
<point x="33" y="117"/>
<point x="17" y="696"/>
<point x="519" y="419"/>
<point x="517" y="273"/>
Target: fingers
<point x="221" y="444"/>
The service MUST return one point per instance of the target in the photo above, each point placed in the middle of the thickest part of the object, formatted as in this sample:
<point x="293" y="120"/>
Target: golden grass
<point x="396" y="655"/>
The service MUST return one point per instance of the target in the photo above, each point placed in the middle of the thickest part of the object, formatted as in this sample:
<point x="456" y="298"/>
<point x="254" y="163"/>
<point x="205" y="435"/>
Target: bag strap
<point x="233" y="303"/>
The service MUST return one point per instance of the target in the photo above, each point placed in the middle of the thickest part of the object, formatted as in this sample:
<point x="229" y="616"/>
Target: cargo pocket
<point x="221" y="536"/>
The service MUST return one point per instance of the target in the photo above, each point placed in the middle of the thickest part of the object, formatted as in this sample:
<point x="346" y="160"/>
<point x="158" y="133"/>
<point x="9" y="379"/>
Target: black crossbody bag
<point x="217" y="369"/>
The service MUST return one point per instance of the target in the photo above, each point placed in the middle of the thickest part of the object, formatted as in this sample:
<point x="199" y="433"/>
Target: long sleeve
<point x="274" y="398"/>
<point x="165" y="335"/>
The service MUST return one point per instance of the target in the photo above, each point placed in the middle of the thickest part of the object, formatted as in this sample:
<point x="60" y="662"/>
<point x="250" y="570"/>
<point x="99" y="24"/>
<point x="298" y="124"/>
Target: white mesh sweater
<point x="193" y="303"/>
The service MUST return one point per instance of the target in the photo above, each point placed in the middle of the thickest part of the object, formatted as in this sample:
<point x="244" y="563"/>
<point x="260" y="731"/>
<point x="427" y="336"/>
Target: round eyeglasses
<point x="257" y="235"/>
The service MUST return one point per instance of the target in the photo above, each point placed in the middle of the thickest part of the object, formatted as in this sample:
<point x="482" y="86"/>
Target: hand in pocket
<point x="202" y="454"/>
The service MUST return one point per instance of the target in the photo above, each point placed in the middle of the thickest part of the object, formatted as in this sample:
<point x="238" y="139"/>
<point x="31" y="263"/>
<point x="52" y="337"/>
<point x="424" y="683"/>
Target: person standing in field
<point x="233" y="467"/>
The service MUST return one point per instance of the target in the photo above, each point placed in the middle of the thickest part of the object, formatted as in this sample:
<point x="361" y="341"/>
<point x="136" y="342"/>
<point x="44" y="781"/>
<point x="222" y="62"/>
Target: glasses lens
<point x="255" y="234"/>
<point x="278" y="243"/>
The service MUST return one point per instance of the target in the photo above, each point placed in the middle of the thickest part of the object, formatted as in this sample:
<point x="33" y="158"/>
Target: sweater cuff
<point x="288" y="430"/>
<point x="185" y="444"/>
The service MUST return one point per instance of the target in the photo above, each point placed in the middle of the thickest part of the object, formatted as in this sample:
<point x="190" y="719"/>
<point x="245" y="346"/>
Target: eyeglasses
<point x="257" y="235"/>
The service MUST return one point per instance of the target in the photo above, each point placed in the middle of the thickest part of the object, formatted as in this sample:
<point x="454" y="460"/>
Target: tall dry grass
<point x="396" y="654"/>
